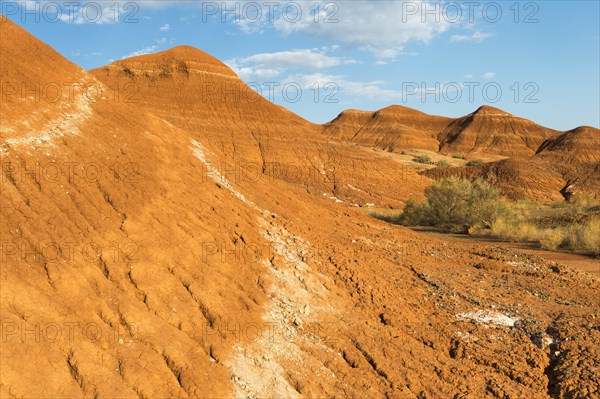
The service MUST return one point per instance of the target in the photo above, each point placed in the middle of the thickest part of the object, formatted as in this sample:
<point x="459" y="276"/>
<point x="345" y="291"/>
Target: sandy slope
<point x="150" y="267"/>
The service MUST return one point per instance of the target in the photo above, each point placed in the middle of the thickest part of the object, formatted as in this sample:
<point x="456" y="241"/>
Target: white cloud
<point x="159" y="45"/>
<point x="475" y="37"/>
<point x="488" y="75"/>
<point x="373" y="90"/>
<point x="269" y="65"/>
<point x="381" y="27"/>
<point x="165" y="28"/>
<point x="305" y="58"/>
<point x="146" y="50"/>
<point x="250" y="74"/>
<point x="89" y="13"/>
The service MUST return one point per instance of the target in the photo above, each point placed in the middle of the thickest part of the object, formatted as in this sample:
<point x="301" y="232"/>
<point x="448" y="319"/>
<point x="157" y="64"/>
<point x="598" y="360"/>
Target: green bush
<point x="582" y="201"/>
<point x="461" y="206"/>
<point x="510" y="229"/>
<point x="459" y="155"/>
<point x="455" y="205"/>
<point x="559" y="205"/>
<point x="474" y="162"/>
<point x="550" y="239"/>
<point x="585" y="237"/>
<point x="422" y="159"/>
<point x="443" y="164"/>
<point x="579" y="201"/>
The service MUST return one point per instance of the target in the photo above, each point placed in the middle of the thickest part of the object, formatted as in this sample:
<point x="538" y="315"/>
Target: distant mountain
<point x="492" y="131"/>
<point x="577" y="146"/>
<point x="487" y="131"/>
<point x="394" y="128"/>
<point x="541" y="160"/>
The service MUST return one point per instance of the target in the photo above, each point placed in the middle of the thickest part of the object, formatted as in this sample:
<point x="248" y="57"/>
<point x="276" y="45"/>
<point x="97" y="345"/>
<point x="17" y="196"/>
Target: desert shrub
<point x="582" y="201"/>
<point x="559" y="205"/>
<point x="455" y="205"/>
<point x="474" y="162"/>
<point x="459" y="155"/>
<point x="502" y="229"/>
<point x="422" y="159"/>
<point x="458" y="205"/>
<point x="386" y="217"/>
<point x="579" y="201"/>
<point x="414" y="214"/>
<point x="550" y="238"/>
<point x="510" y="229"/>
<point x="585" y="237"/>
<point x="443" y="164"/>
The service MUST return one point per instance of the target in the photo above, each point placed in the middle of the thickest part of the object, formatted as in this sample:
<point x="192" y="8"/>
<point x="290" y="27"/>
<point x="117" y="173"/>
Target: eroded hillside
<point x="151" y="248"/>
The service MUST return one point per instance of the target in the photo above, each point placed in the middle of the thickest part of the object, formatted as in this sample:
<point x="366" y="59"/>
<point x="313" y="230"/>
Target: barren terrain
<point x="189" y="238"/>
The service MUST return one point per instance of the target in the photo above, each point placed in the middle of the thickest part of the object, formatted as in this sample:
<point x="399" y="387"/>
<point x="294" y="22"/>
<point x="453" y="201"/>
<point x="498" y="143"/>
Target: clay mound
<point x="580" y="145"/>
<point x="197" y="93"/>
<point x="492" y="131"/>
<point x="347" y="124"/>
<point x="194" y="90"/>
<point x="34" y="94"/>
<point x="394" y="128"/>
<point x="180" y="60"/>
<point x="250" y="135"/>
<point x="77" y="250"/>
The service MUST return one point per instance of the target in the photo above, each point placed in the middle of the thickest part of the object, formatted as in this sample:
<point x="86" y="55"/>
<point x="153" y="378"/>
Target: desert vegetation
<point x="475" y="207"/>
<point x="424" y="159"/>
<point x="474" y="162"/>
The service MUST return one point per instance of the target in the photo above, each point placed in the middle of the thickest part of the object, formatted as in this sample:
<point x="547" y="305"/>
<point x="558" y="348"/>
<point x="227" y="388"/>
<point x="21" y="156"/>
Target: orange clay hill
<point x="161" y="247"/>
<point x="487" y="131"/>
<point x="393" y="128"/>
<point x="524" y="159"/>
<point x="563" y="159"/>
<point x="492" y="131"/>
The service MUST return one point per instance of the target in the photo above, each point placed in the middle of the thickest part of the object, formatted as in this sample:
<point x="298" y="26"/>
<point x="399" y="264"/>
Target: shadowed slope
<point x="577" y="146"/>
<point x="492" y="131"/>
<point x="394" y="128"/>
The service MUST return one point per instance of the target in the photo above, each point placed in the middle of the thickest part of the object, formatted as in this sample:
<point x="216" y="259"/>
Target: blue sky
<point x="539" y="60"/>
